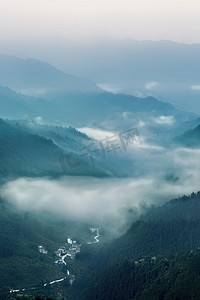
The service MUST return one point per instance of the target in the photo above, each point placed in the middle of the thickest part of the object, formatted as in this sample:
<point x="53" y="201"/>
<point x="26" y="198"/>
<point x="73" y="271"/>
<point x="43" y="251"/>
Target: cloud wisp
<point x="195" y="87"/>
<point x="151" y="85"/>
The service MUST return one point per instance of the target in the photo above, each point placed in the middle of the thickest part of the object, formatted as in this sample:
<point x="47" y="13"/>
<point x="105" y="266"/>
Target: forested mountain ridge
<point x="25" y="154"/>
<point x="160" y="277"/>
<point x="153" y="259"/>
<point x="163" y="230"/>
<point x="36" y="151"/>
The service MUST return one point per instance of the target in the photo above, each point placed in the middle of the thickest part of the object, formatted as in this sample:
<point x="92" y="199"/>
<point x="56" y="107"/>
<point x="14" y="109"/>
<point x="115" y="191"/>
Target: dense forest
<point x="160" y="277"/>
<point x="30" y="150"/>
<point x="157" y="258"/>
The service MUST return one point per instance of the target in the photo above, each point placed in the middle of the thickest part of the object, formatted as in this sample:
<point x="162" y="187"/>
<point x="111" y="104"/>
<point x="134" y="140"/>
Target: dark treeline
<point x="158" y="257"/>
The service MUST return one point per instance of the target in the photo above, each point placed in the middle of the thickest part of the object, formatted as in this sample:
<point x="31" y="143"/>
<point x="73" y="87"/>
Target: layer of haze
<point x="27" y="20"/>
<point x="113" y="202"/>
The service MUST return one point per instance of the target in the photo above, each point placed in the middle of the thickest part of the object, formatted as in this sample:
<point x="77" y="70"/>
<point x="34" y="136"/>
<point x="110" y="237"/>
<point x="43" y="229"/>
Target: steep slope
<point x="34" y="77"/>
<point x="166" y="278"/>
<point x="25" y="152"/>
<point x="163" y="230"/>
<point x="190" y="138"/>
<point x="146" y="262"/>
<point x="12" y="104"/>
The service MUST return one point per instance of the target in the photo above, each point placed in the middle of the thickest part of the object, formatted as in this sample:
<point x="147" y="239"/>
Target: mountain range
<point x="163" y="69"/>
<point x="33" y="77"/>
<point x="27" y="149"/>
<point x="44" y="112"/>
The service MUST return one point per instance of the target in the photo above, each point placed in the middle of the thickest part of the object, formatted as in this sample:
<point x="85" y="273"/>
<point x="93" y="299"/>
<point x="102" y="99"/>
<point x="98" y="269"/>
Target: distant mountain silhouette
<point x="190" y="138"/>
<point x="33" y="77"/>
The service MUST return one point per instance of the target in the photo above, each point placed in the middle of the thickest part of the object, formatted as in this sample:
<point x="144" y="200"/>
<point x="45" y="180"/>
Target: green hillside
<point x="158" y="257"/>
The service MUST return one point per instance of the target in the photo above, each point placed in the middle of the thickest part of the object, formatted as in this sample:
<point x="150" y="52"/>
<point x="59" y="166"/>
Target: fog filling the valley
<point x="112" y="202"/>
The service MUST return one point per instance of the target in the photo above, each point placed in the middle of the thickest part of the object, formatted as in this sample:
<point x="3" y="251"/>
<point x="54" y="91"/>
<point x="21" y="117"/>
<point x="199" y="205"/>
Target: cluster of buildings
<point x="70" y="249"/>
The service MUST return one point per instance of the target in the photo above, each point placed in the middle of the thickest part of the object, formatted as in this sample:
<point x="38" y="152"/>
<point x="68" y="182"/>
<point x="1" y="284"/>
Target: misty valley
<point x="99" y="190"/>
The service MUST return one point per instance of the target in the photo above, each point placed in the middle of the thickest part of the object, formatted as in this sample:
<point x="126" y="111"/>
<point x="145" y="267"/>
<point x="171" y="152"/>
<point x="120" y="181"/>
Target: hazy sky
<point x="88" y="19"/>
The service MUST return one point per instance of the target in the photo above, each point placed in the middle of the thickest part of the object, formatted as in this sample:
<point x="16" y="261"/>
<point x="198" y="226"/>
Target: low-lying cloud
<point x="95" y="133"/>
<point x="164" y="120"/>
<point x="195" y="87"/>
<point x="151" y="85"/>
<point x="157" y="174"/>
<point x="112" y="88"/>
<point x="109" y="201"/>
